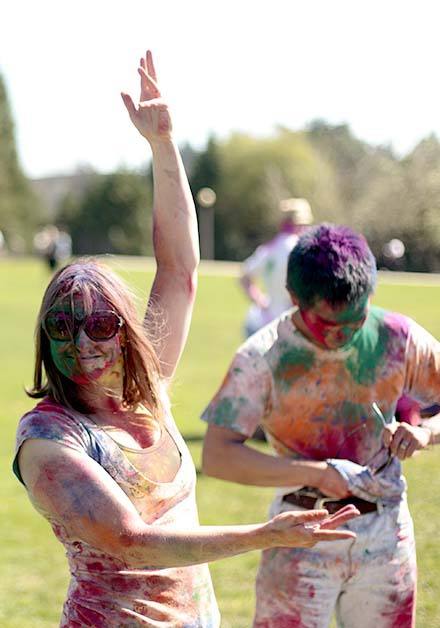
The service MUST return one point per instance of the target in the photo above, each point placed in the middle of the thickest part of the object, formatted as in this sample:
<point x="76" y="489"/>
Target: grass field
<point x="33" y="570"/>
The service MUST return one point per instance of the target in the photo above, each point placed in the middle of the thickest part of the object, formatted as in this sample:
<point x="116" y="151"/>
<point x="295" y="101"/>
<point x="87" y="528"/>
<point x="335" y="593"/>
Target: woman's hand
<point x="305" y="529"/>
<point x="404" y="439"/>
<point x="151" y="116"/>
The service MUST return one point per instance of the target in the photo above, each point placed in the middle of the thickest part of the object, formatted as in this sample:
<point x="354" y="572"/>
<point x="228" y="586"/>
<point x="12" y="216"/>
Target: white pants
<point x="369" y="582"/>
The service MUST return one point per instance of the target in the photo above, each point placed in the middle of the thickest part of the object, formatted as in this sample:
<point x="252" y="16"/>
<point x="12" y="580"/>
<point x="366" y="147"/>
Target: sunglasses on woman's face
<point x="99" y="326"/>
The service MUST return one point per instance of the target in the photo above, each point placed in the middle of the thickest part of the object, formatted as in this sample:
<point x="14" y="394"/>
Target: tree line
<point x="346" y="180"/>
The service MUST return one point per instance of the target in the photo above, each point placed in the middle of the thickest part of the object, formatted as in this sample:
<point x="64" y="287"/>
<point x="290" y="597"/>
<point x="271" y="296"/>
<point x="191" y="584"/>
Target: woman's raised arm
<point x="175" y="235"/>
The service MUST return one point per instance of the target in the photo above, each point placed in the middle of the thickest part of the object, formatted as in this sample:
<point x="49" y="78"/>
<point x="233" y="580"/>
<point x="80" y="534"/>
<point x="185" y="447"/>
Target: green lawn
<point x="33" y="570"/>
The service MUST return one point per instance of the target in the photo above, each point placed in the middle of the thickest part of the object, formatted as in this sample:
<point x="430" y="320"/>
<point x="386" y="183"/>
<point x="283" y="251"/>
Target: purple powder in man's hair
<point x="332" y="263"/>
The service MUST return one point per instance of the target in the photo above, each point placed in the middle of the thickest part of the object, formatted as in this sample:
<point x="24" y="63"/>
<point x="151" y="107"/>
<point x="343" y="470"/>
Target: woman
<point x="100" y="455"/>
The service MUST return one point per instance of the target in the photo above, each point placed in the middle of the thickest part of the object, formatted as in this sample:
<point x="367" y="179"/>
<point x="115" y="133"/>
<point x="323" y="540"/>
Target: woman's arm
<point x="71" y="488"/>
<point x="175" y="235"/>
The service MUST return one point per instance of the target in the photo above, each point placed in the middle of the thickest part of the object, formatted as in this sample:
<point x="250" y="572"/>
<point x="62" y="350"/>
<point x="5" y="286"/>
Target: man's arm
<point x="422" y="382"/>
<point x="253" y="291"/>
<point x="251" y="270"/>
<point x="227" y="456"/>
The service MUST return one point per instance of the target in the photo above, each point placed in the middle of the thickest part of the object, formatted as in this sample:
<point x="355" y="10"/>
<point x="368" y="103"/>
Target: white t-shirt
<point x="269" y="262"/>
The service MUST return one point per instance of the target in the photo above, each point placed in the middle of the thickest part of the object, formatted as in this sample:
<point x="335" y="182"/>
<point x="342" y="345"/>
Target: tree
<point x="422" y="178"/>
<point x="255" y="175"/>
<point x="20" y="211"/>
<point x="113" y="215"/>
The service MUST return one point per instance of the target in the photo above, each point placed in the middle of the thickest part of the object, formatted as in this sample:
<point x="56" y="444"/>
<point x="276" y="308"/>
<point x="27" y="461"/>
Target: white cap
<point x="298" y="209"/>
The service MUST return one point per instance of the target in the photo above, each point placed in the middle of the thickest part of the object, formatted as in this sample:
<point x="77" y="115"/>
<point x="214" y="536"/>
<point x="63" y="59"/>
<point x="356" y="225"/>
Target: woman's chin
<point x="83" y="379"/>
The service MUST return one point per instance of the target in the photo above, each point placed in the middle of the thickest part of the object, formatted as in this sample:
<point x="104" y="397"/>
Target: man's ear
<point x="293" y="296"/>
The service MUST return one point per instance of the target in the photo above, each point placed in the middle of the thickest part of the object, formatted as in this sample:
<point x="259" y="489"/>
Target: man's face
<point x="333" y="327"/>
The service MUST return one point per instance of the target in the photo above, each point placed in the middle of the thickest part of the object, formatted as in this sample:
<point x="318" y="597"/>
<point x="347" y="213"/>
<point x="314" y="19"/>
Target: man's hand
<point x="151" y="117"/>
<point x="332" y="484"/>
<point x="404" y="439"/>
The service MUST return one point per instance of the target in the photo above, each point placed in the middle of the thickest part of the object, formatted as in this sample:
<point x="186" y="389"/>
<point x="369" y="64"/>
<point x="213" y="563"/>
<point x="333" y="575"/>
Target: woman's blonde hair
<point x="90" y="279"/>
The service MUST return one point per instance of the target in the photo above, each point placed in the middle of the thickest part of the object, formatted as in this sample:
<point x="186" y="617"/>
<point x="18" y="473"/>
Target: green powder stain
<point x="353" y="414"/>
<point x="371" y="344"/>
<point x="227" y="410"/>
<point x="292" y="364"/>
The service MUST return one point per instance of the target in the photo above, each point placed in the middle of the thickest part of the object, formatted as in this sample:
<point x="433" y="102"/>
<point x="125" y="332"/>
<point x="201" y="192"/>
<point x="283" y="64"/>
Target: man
<point x="268" y="264"/>
<point x="323" y="380"/>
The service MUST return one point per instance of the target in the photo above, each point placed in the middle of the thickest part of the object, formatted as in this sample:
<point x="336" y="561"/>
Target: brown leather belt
<point x="332" y="505"/>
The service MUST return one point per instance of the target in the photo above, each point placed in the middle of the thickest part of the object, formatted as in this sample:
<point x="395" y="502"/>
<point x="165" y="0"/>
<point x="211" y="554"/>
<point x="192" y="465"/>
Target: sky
<point x="242" y="65"/>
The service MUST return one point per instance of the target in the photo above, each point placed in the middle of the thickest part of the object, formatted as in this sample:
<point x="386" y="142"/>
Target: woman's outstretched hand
<point x="151" y="116"/>
<point x="305" y="529"/>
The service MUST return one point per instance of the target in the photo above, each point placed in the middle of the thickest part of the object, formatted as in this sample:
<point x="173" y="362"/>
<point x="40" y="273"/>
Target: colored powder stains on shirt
<point x="315" y="403"/>
<point x="401" y="612"/>
<point x="376" y="343"/>
<point x="107" y="591"/>
<point x="227" y="411"/>
<point x="291" y="365"/>
<point x="269" y="264"/>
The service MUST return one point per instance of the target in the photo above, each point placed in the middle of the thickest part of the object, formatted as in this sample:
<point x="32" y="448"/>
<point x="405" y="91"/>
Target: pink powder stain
<point x="96" y="566"/>
<point x="312" y="591"/>
<point x="402" y="536"/>
<point x="402" y="615"/>
<point x="125" y="585"/>
<point x="282" y="621"/>
<point x="397" y="322"/>
<point x="89" y="590"/>
<point x="91" y="617"/>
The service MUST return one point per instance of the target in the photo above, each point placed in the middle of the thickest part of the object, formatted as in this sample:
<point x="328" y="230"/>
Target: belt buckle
<point x="319" y="504"/>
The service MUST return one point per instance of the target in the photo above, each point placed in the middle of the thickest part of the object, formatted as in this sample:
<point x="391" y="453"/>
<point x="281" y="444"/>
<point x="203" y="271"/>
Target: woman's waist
<point x="141" y="597"/>
<point x="103" y="579"/>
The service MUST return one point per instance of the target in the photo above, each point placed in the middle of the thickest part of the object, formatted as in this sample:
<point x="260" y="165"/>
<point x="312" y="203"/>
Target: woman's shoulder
<point x="50" y="421"/>
<point x="53" y="421"/>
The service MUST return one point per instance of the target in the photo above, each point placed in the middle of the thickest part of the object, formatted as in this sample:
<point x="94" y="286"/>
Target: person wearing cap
<point x="324" y="379"/>
<point x="268" y="265"/>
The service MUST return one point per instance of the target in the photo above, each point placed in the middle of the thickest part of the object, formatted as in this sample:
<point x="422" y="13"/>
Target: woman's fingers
<point x="129" y="104"/>
<point x="149" y="88"/>
<point x="310" y="516"/>
<point x="332" y="535"/>
<point x="150" y="65"/>
<point x="339" y="518"/>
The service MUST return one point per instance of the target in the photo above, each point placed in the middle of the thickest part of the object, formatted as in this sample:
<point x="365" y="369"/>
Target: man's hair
<point x="331" y="263"/>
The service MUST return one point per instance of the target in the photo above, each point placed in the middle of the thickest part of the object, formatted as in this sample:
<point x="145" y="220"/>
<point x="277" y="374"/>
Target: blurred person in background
<point x="100" y="454"/>
<point x="323" y="380"/>
<point x="263" y="276"/>
<point x="63" y="246"/>
<point x="2" y="243"/>
<point x="45" y="244"/>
